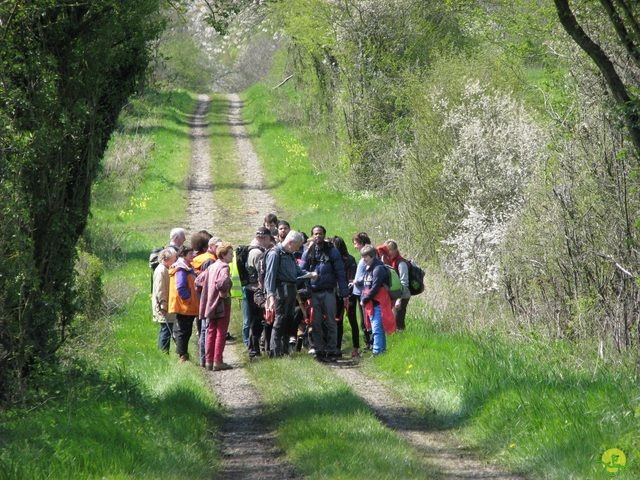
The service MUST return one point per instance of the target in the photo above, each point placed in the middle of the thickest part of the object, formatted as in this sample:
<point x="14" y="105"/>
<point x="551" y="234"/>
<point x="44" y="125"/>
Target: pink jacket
<point x="214" y="285"/>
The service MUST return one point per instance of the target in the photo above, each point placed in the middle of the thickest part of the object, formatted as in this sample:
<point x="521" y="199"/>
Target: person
<point x="261" y="243"/>
<point x="271" y="222"/>
<point x="350" y="308"/>
<point x="200" y="263"/>
<point x="205" y="260"/>
<point x="324" y="259"/>
<point x="283" y="229"/>
<point x="359" y="240"/>
<point x="160" y="298"/>
<point x="401" y="266"/>
<point x="200" y="242"/>
<point x="215" y="306"/>
<point x="177" y="238"/>
<point x="183" y="300"/>
<point x="281" y="272"/>
<point x="375" y="299"/>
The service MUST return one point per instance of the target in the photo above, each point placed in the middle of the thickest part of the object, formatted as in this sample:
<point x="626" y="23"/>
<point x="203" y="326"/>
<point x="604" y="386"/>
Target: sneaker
<point x="355" y="353"/>
<point x="217" y="366"/>
<point x="312" y="351"/>
<point x="292" y="340"/>
<point x="183" y="358"/>
<point x="209" y="366"/>
<point x="230" y="337"/>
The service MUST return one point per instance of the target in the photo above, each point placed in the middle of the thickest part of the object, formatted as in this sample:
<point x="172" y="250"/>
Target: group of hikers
<point x="294" y="292"/>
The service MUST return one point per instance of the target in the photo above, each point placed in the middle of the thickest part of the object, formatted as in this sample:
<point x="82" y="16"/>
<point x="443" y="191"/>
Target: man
<point x="401" y="266"/>
<point x="283" y="229"/>
<point x="177" y="237"/>
<point x="324" y="259"/>
<point x="281" y="273"/>
<point x="261" y="243"/>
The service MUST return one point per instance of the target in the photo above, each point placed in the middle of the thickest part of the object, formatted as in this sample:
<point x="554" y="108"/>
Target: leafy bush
<point x="88" y="290"/>
<point x="496" y="149"/>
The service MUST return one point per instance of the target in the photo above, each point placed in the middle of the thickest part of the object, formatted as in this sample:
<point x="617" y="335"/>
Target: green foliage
<point x="88" y="290"/>
<point x="66" y="70"/>
<point x="349" y="58"/>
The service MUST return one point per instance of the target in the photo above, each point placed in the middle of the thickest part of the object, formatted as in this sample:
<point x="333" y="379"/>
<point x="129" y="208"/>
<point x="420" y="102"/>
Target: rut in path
<point x="248" y="446"/>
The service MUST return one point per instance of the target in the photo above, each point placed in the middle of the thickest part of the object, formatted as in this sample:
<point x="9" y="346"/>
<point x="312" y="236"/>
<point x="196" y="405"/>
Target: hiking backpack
<point x="154" y="262"/>
<point x="242" y="255"/>
<point x="395" y="287"/>
<point x="153" y="258"/>
<point x="416" y="278"/>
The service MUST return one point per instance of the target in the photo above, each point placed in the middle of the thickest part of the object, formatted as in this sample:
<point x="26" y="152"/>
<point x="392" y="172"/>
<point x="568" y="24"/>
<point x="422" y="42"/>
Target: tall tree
<point x="66" y="70"/>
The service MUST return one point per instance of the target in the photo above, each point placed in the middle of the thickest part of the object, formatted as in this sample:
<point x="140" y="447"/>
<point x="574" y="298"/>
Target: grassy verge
<point x="121" y="409"/>
<point x="547" y="410"/>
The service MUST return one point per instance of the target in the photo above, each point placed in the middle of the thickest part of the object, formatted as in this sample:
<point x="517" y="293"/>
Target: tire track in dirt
<point x="248" y="446"/>
<point x="437" y="449"/>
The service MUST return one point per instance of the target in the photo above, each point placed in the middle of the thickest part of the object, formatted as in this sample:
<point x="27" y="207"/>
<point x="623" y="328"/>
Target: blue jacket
<point x="328" y="264"/>
<point x="375" y="276"/>
<point x="280" y="267"/>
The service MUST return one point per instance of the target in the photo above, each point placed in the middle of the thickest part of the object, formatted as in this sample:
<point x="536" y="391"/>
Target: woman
<point x="160" y="298"/>
<point x="350" y="271"/>
<point x="360" y="240"/>
<point x="183" y="300"/>
<point x="215" y="306"/>
<point x="375" y="299"/>
<point x="401" y="266"/>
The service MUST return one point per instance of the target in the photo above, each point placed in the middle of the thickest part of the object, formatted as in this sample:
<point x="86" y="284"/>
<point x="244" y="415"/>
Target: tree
<point x="66" y="70"/>
<point x="623" y="17"/>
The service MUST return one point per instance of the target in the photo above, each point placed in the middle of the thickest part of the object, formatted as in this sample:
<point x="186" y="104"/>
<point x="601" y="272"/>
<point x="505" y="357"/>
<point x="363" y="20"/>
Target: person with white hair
<point x="160" y="298"/>
<point x="281" y="273"/>
<point x="177" y="237"/>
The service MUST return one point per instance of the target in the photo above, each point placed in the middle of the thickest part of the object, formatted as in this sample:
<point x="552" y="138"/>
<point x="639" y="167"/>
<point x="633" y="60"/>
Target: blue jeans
<point x="202" y="341"/>
<point x="377" y="332"/>
<point x="164" y="336"/>
<point x="246" y="318"/>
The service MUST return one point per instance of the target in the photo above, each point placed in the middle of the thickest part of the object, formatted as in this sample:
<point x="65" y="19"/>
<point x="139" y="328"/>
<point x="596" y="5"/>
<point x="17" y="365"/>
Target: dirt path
<point x="248" y="447"/>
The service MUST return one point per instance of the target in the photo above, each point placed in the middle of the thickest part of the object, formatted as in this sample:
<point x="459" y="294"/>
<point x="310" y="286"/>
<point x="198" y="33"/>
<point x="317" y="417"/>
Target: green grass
<point x="118" y="408"/>
<point x="531" y="407"/>
<point x="326" y="429"/>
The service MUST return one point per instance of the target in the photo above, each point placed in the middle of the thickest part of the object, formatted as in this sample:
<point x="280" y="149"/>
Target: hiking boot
<point x="183" y="358"/>
<point x="217" y="366"/>
<point x="230" y="337"/>
<point x="208" y="366"/>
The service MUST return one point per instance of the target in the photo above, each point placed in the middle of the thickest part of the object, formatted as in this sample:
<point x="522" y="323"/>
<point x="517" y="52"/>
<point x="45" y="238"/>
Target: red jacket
<point x="388" y="318"/>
